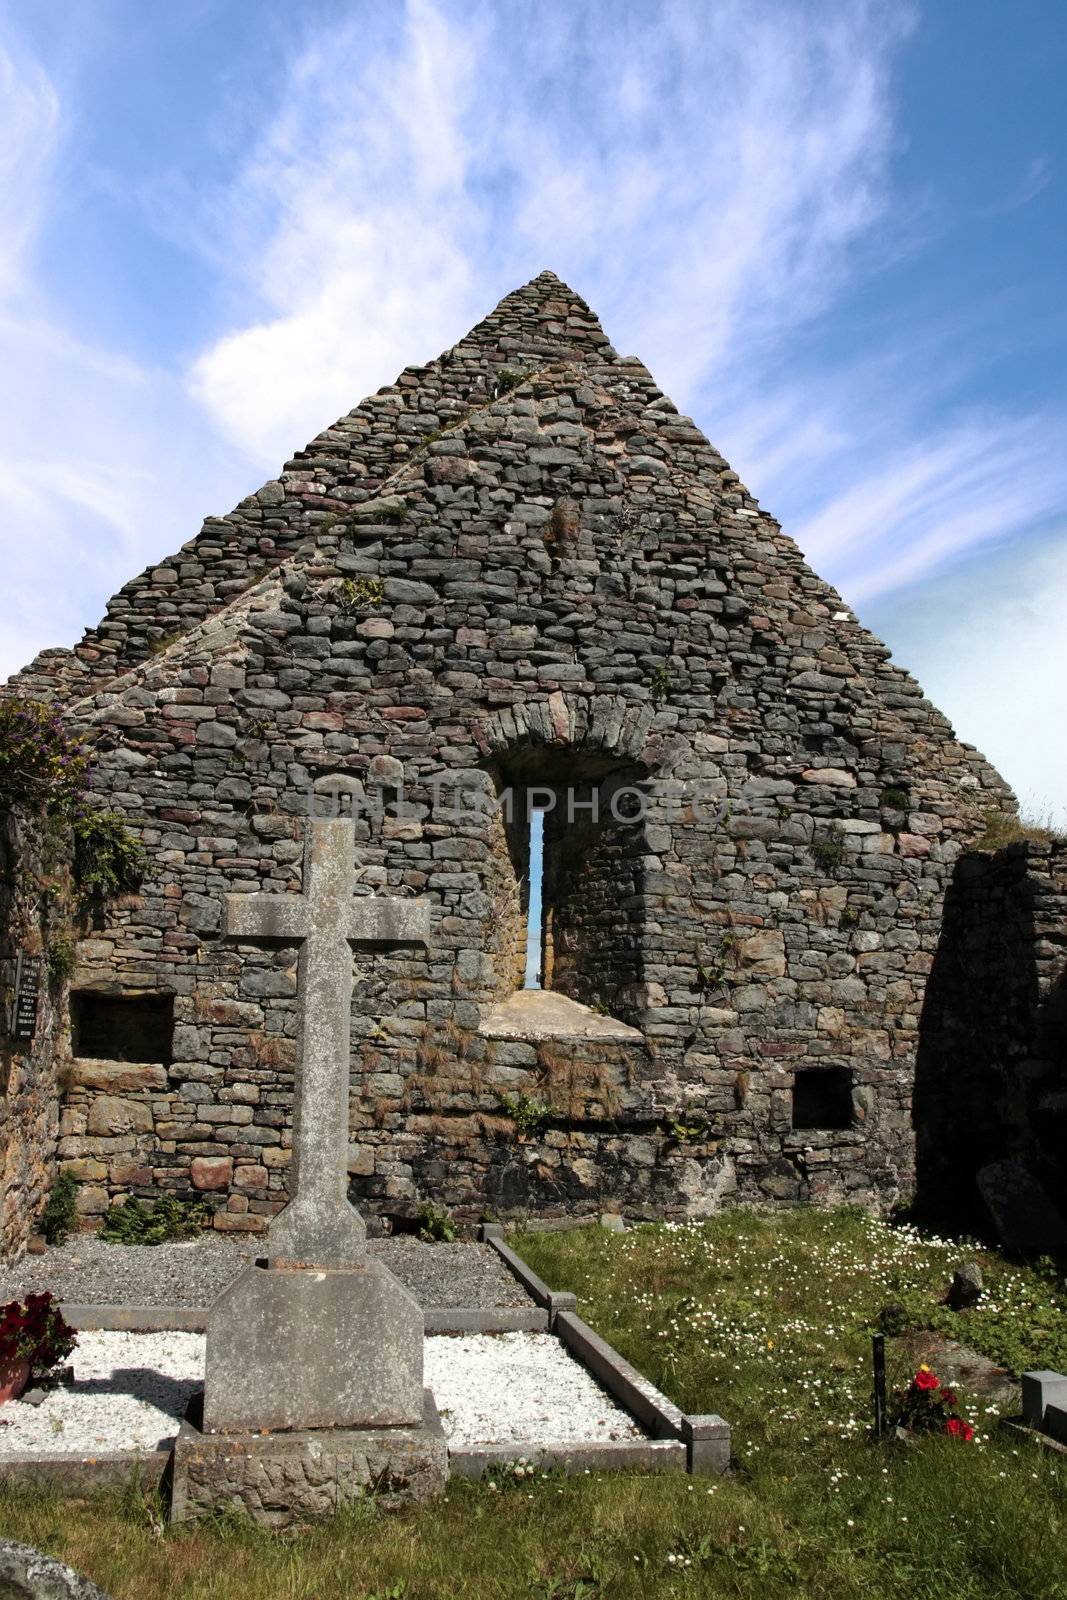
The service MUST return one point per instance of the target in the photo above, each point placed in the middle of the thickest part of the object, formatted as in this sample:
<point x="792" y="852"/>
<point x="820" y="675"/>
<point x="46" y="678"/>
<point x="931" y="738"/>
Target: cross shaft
<point x="319" y="1227"/>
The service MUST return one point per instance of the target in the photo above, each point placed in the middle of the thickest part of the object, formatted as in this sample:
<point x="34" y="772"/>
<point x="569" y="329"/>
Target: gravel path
<point x="86" y="1271"/>
<point x="131" y="1389"/>
<point x="470" y="1275"/>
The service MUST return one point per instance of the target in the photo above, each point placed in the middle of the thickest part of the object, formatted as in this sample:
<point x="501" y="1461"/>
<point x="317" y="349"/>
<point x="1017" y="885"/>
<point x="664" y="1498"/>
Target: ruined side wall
<point x="29" y="1090"/>
<point x="992" y="1062"/>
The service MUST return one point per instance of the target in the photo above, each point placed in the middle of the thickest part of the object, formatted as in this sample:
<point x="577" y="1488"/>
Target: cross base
<point x="283" y="1479"/>
<point x="317" y="1231"/>
<point x="313" y="1349"/>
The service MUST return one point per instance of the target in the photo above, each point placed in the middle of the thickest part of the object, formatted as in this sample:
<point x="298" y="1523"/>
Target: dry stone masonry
<point x="517" y="574"/>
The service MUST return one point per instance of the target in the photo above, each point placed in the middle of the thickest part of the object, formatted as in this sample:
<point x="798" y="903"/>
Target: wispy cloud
<point x="29" y="123"/>
<point x="985" y="639"/>
<point x="701" y="174"/>
<point x="102" y="460"/>
<point x="932" y="500"/>
<point x="1039" y="174"/>
<point x="104" y="465"/>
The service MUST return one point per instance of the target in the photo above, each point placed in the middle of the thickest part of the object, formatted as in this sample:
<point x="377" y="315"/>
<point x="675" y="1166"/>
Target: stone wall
<point x="992" y="1064"/>
<point x="342" y="467"/>
<point x="520" y="566"/>
<point x="29" y="1107"/>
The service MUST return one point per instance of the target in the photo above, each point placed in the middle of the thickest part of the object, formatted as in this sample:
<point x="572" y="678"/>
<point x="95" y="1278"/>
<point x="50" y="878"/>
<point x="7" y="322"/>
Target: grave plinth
<point x="317" y="1339"/>
<point x="296" y="1348"/>
<point x="282" y="1479"/>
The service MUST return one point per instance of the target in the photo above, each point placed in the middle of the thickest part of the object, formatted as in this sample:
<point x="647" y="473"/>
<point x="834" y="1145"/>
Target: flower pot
<point x="14" y="1375"/>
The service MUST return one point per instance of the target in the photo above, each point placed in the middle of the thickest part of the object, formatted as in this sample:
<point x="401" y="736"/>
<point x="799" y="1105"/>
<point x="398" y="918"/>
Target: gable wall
<point x="572" y="570"/>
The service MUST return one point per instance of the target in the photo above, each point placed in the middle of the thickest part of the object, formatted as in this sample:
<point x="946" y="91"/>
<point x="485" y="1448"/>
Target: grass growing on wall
<point x="764" y="1319"/>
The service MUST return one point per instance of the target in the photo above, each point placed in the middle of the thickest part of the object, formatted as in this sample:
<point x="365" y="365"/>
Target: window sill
<point x="535" y="1014"/>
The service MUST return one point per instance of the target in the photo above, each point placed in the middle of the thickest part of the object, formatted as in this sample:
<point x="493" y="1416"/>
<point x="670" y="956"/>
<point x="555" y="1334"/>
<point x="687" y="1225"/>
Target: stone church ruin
<point x="516" y="594"/>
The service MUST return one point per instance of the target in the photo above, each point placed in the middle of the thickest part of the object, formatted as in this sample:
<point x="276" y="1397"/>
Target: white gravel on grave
<point x="131" y="1390"/>
<point x="129" y="1393"/>
<point x="518" y="1388"/>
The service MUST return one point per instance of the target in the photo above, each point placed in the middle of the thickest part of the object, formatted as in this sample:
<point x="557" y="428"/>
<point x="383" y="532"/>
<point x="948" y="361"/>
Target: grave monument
<point x="313" y="1385"/>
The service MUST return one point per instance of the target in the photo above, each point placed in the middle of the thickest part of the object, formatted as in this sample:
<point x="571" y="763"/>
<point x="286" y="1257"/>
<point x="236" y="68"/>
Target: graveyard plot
<point x="129" y="1394"/>
<point x="764" y="1318"/>
<point x="131" y="1390"/>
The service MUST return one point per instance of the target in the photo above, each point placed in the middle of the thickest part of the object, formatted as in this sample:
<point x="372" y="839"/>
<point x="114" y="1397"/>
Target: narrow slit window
<point x="535" y="913"/>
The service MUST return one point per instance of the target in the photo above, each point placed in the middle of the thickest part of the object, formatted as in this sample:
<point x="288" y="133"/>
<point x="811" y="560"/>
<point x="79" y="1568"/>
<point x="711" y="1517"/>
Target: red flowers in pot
<point x="927" y="1406"/>
<point x="34" y="1339"/>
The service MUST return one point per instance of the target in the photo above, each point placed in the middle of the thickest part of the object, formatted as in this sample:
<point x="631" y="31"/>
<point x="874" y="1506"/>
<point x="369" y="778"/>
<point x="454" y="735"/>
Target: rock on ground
<point x="26" y="1574"/>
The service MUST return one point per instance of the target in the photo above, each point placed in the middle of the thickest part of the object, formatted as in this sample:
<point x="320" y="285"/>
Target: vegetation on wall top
<point x="108" y="860"/>
<point x="41" y="761"/>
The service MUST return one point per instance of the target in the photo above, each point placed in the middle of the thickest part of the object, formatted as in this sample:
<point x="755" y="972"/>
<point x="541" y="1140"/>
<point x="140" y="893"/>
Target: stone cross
<point x="319" y="1227"/>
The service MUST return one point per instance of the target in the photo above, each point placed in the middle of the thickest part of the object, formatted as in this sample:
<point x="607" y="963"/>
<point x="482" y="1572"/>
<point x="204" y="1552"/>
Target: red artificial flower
<point x="949" y="1396"/>
<point x="925" y="1379"/>
<point x="954" y="1426"/>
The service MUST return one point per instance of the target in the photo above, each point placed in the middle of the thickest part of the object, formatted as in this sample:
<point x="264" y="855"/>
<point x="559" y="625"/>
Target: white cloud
<point x="986" y="641"/>
<point x="932" y="500"/>
<point x="29" y="125"/>
<point x="357" y="232"/>
<point x="104" y="463"/>
<point x="104" y="466"/>
<point x="700" y="174"/>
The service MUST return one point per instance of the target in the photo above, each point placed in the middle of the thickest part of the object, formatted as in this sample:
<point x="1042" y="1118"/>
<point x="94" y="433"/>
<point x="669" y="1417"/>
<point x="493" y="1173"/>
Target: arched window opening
<point x="569" y="850"/>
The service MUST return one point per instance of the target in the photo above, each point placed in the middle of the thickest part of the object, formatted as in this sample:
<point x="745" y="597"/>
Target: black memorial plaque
<point x="27" y="985"/>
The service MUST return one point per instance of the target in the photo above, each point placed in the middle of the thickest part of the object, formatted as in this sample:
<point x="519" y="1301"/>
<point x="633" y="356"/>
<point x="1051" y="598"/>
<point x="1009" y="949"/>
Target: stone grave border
<point x="1044" y="1418"/>
<point x="701" y="1442"/>
<point x="193" y="1319"/>
<point x="677" y="1442"/>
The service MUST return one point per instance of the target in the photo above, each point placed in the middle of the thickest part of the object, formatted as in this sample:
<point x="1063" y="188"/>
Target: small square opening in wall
<point x="122" y="1027"/>
<point x="822" y="1098"/>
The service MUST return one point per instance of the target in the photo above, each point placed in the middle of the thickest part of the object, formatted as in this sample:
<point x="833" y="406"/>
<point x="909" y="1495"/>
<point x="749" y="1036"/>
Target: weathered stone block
<point x="282" y="1479"/>
<point x="92" y="1200"/>
<point x="305" y="1349"/>
<point x="112" y="1077"/>
<point x="85" y="1171"/>
<point x="763" y="954"/>
<point x="209" y="1173"/>
<point x="228" y="1222"/>
<point x="251" y="1178"/>
<point x="109" y="1115"/>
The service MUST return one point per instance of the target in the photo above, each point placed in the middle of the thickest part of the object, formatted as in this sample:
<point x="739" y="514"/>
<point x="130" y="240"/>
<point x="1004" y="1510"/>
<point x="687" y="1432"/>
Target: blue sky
<point x="834" y="231"/>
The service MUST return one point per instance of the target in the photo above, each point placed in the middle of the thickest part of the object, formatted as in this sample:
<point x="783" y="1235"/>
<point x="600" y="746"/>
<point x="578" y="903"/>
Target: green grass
<point x="764" y="1319"/>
